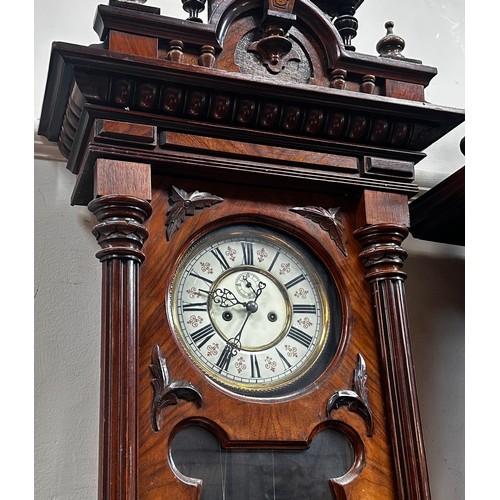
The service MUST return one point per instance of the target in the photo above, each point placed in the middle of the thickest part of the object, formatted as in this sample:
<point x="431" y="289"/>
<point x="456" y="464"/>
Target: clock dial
<point x="253" y="309"/>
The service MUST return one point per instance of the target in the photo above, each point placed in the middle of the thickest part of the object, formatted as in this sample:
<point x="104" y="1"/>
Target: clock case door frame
<point x="287" y="422"/>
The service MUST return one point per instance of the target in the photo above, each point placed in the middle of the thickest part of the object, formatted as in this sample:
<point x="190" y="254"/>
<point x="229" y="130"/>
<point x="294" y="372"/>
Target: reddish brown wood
<point x="133" y="44"/>
<point x="404" y="90"/>
<point x="289" y="423"/>
<point x="324" y="152"/>
<point x="124" y="178"/>
<point x="173" y="140"/>
<point x="121" y="207"/>
<point x="383" y="258"/>
<point x="120" y="233"/>
<point x="123" y="131"/>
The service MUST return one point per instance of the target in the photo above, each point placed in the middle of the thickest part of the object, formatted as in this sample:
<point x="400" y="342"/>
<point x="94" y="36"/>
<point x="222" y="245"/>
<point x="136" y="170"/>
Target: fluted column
<point x="383" y="258"/>
<point x="120" y="233"/>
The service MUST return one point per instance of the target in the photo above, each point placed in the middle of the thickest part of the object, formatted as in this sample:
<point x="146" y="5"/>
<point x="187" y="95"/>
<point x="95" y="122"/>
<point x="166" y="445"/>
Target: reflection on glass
<point x="261" y="475"/>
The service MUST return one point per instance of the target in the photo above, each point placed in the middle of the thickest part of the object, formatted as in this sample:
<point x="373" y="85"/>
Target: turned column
<point x="121" y="206"/>
<point x="383" y="226"/>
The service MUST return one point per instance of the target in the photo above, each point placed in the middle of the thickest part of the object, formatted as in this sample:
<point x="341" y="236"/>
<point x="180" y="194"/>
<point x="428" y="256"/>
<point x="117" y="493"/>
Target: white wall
<point x="67" y="275"/>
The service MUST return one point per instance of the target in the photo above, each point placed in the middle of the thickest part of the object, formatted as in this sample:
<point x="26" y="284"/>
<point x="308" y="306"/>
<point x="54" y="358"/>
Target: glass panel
<point x="262" y="474"/>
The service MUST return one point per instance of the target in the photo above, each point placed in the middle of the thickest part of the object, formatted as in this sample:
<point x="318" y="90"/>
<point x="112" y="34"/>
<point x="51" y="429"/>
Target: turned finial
<point x="390" y="45"/>
<point x="194" y="8"/>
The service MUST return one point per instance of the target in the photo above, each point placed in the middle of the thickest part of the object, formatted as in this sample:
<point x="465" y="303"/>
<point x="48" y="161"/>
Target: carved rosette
<point x="383" y="258"/>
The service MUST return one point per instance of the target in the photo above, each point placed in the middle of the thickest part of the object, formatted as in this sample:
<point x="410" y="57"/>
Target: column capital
<point x="381" y="252"/>
<point x="120" y="231"/>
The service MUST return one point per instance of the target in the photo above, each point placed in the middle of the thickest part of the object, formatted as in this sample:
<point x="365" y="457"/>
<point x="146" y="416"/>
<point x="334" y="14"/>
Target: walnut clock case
<point x="250" y="179"/>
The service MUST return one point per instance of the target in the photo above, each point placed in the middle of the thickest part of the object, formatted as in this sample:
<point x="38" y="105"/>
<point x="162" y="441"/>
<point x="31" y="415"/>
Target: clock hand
<point x="251" y="307"/>
<point x="225" y="298"/>
<point x="235" y="342"/>
<point x="261" y="285"/>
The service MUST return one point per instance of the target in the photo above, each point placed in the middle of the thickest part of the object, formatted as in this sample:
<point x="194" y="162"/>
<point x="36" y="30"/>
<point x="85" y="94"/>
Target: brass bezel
<point x="273" y="238"/>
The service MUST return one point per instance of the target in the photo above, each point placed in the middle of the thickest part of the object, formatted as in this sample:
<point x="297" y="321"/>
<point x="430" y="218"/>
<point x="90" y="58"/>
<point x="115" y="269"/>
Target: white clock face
<point x="250" y="309"/>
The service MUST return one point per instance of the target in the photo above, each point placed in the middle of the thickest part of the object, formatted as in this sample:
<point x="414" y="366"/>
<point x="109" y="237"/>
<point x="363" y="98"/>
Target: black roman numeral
<point x="220" y="257"/>
<point x="274" y="260"/>
<point x="203" y="335"/>
<point x="296" y="280"/>
<point x="225" y="358"/>
<point x="247" y="253"/>
<point x="300" y="336"/>
<point x="194" y="306"/>
<point x="304" y="309"/>
<point x="255" y="366"/>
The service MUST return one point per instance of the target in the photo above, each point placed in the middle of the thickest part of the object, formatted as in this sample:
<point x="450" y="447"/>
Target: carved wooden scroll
<point x="356" y="399"/>
<point x="167" y="392"/>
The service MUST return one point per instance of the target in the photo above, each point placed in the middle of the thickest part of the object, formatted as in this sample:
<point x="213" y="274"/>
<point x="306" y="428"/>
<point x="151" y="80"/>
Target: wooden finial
<point x="175" y="51"/>
<point x="390" y="45"/>
<point x="194" y="8"/>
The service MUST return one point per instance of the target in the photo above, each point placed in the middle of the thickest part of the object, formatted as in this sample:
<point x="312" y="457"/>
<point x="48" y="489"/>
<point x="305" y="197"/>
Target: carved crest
<point x="274" y="50"/>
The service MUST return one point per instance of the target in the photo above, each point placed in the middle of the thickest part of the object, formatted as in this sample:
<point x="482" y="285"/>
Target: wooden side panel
<point x="133" y="44"/>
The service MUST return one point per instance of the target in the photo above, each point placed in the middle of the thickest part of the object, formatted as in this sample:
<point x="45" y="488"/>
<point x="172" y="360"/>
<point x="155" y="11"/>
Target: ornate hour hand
<point x="225" y="298"/>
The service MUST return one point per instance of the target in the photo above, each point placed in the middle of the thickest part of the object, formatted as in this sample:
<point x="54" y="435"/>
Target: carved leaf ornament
<point x="356" y="400"/>
<point x="329" y="221"/>
<point x="167" y="393"/>
<point x="183" y="204"/>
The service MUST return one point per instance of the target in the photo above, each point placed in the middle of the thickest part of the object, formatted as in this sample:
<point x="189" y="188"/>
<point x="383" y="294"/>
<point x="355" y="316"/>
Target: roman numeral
<point x="254" y="366"/>
<point x="247" y="253"/>
<point x="203" y="335"/>
<point x="285" y="362"/>
<point x="274" y="260"/>
<point x="201" y="277"/>
<point x="225" y="358"/>
<point x="220" y="257"/>
<point x="300" y="336"/>
<point x="194" y="306"/>
<point x="304" y="309"/>
<point x="296" y="280"/>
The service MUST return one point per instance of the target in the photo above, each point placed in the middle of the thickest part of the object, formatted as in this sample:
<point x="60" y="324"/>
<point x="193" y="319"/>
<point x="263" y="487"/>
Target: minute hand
<point x="251" y="307"/>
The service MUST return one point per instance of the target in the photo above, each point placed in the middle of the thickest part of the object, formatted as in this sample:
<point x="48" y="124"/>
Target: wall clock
<point x="255" y="310"/>
<point x="250" y="179"/>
